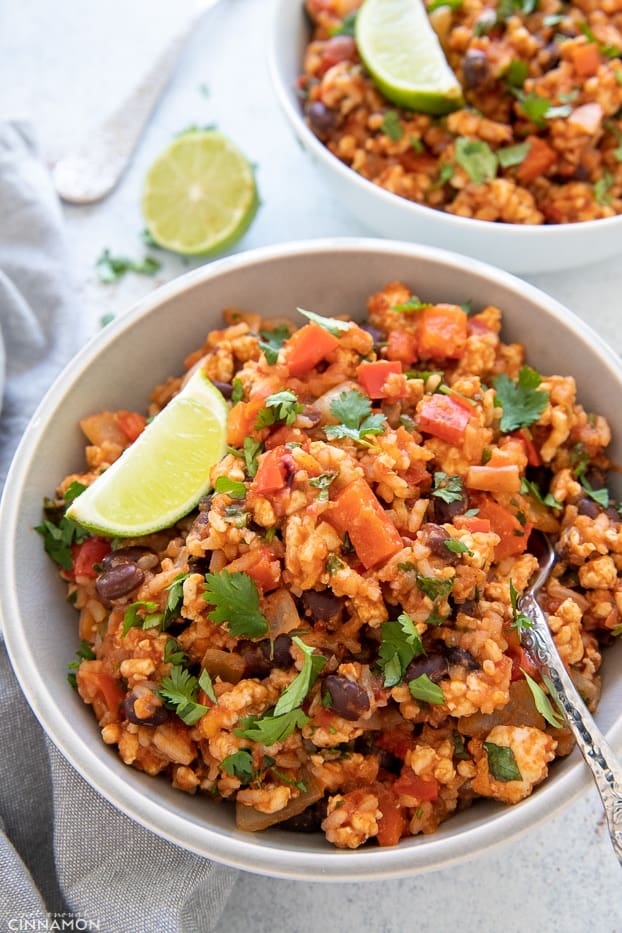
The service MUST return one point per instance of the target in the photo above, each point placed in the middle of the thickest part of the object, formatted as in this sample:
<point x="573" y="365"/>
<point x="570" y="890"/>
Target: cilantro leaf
<point x="173" y="653"/>
<point x="540" y="109"/>
<point x="477" y="159"/>
<point x="448" y="488"/>
<point x="331" y="324"/>
<point x="205" y="683"/>
<point x="531" y="489"/>
<point x="272" y="341"/>
<point x="392" y="126"/>
<point x="233" y="488"/>
<point x="457" y="547"/>
<point x="237" y="391"/>
<point x="294" y="694"/>
<point x="347" y="25"/>
<point x="175" y="600"/>
<point x="235" y="600"/>
<point x="269" y="729"/>
<point x="520" y="620"/>
<point x="74" y="489"/>
<point x="413" y="304"/>
<point x="240" y="765"/>
<point x="112" y="268"/>
<point x="84" y="653"/>
<point x="502" y="763"/>
<point x="59" y="535"/>
<point x="452" y="4"/>
<point x="513" y="155"/>
<point x="521" y="401"/>
<point x="131" y="618"/>
<point x="515" y="75"/>
<point x="543" y="703"/>
<point x="179" y="691"/>
<point x="323" y="482"/>
<point x="602" y="188"/>
<point x="601" y="496"/>
<point x="401" y="643"/>
<point x="434" y="588"/>
<point x="353" y="409"/>
<point x="422" y="688"/>
<point x="249" y="454"/>
<point x="282" y="406"/>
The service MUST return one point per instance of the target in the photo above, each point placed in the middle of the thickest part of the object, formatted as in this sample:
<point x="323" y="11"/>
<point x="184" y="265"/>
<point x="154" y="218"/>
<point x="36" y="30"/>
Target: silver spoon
<point x="597" y="752"/>
<point x="90" y="171"/>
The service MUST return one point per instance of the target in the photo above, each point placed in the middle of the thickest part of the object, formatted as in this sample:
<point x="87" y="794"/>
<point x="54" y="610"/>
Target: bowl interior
<point x="119" y="369"/>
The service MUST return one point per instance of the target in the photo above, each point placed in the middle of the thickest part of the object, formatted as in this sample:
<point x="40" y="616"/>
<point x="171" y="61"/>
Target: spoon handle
<point x="594" y="747"/>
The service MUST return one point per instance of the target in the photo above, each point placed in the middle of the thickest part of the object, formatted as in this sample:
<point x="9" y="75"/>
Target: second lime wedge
<point x="200" y="194"/>
<point x="164" y="473"/>
<point x="404" y="56"/>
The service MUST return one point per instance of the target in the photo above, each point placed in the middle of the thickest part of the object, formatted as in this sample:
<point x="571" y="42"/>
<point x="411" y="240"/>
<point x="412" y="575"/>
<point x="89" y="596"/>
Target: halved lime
<point x="200" y="194"/>
<point x="164" y="473"/>
<point x="404" y="57"/>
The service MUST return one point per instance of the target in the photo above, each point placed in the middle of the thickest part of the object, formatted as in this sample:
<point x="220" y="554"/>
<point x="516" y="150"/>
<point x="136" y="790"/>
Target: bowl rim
<point x="369" y="188"/>
<point x="246" y="854"/>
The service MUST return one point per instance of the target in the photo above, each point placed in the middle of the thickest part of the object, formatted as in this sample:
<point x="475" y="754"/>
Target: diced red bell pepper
<point x="540" y="158"/>
<point x="357" y="511"/>
<point x="533" y="456"/>
<point x="372" y="376"/>
<point x="521" y="661"/>
<point x="131" y="423"/>
<point x="87" y="554"/>
<point x="241" y="421"/>
<point x="412" y="785"/>
<point x="402" y="346"/>
<point x="261" y="565"/>
<point x="442" y="332"/>
<point x="443" y="417"/>
<point x="398" y="740"/>
<point x="92" y="682"/>
<point x="307" y="347"/>
<point x="514" y="536"/>
<point x="472" y="523"/>
<point x="392" y="823"/>
<point x="272" y="472"/>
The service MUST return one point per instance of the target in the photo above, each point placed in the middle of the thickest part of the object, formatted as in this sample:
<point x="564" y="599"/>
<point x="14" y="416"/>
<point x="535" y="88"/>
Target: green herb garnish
<point x="179" y="692"/>
<point x="520" y="621"/>
<point x="448" y="488"/>
<point x="233" y="488"/>
<point x="401" y="643"/>
<point x="502" y="763"/>
<point x="513" y="155"/>
<point x="240" y="765"/>
<point x="331" y="324"/>
<point x="392" y="126"/>
<point x="294" y="694"/>
<point x="282" y="406"/>
<point x="521" y="401"/>
<point x="323" y="483"/>
<point x="477" y="159"/>
<point x="272" y="341"/>
<point x="457" y="547"/>
<point x="543" y="703"/>
<point x="353" y="409"/>
<point x="434" y="588"/>
<point x="269" y="729"/>
<point x="112" y="268"/>
<point x="424" y="689"/>
<point x="235" y="600"/>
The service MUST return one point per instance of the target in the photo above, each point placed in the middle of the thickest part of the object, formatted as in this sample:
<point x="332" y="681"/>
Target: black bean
<point x="119" y="581"/>
<point x="474" y="68"/>
<point x="434" y="665"/>
<point x="199" y="564"/>
<point x="541" y="476"/>
<point x="447" y="511"/>
<point x="321" y="117"/>
<point x="309" y="821"/>
<point x="462" y="656"/>
<point x="159" y="715"/>
<point x="596" y="477"/>
<point x="614" y="516"/>
<point x="374" y="333"/>
<point x="435" y="536"/>
<point x="347" y="699"/>
<point x="225" y="388"/>
<point x="552" y="56"/>
<point x="469" y="607"/>
<point x="125" y="555"/>
<point x="586" y="506"/>
<point x="321" y="606"/>
<point x="260" y="657"/>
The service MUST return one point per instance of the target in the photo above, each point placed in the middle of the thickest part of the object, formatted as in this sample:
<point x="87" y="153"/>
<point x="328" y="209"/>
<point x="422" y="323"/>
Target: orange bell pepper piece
<point x="442" y="332"/>
<point x="586" y="59"/>
<point x="402" y="346"/>
<point x="514" y="536"/>
<point x="241" y="421"/>
<point x="372" y="376"/>
<point x="540" y="158"/>
<point x="271" y="473"/>
<point x="131" y="423"/>
<point x="443" y="417"/>
<point x="356" y="510"/>
<point x="307" y="347"/>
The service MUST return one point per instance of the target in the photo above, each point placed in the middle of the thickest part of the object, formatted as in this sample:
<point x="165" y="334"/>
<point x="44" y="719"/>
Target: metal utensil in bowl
<point x="595" y="749"/>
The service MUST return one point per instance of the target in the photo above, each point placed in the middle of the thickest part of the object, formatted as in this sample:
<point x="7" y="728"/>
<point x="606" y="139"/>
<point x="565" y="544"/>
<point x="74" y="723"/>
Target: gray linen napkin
<point x="66" y="855"/>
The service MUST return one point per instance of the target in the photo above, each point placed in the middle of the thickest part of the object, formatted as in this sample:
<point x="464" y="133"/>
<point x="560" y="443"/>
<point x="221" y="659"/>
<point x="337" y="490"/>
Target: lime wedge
<point x="164" y="473"/>
<point x="404" y="57"/>
<point x="199" y="195"/>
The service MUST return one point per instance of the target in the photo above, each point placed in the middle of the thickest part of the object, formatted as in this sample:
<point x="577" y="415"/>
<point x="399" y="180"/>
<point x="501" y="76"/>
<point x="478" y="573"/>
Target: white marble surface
<point x="63" y="65"/>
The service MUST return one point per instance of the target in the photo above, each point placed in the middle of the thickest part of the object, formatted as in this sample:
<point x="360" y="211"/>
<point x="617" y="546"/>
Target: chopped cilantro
<point x="173" y="653"/>
<point x="237" y="391"/>
<point x="401" y="643"/>
<point x="240" y="765"/>
<point x="323" y="482"/>
<point x="452" y="4"/>
<point x="521" y="401"/>
<point x="460" y="752"/>
<point x="353" y="409"/>
<point x="507" y="8"/>
<point x="543" y="703"/>
<point x="502" y="763"/>
<point x="416" y="143"/>
<point x="554" y="19"/>
<point x="516" y="73"/>
<point x="445" y="173"/>
<point x="457" y="547"/>
<point x="148" y="240"/>
<point x="513" y="155"/>
<point x="434" y="588"/>
<point x="477" y="159"/>
<point x="448" y="488"/>
<point x="520" y="620"/>
<point x="435" y="618"/>
<point x="272" y="341"/>
<point x="106" y="319"/>
<point x="175" y="600"/>
<point x="601" y="496"/>
<point x="407" y="422"/>
<point x="406" y="566"/>
<point x="232" y="487"/>
<point x="391" y="125"/>
<point x="413" y="304"/>
<point x="112" y="268"/>
<point x="528" y="488"/>
<point x="84" y="653"/>
<point x="333" y="564"/>
<point x="294" y="694"/>
<point x="205" y="683"/>
<point x="235" y="600"/>
<point x="609" y="51"/>
<point x="248" y="454"/>
<point x="347" y="25"/>
<point x="331" y="324"/>
<point x="58" y="536"/>
<point x="540" y="109"/>
<point x="269" y="729"/>
<point x="131" y="618"/>
<point x="282" y="406"/>
<point x="424" y="689"/>
<point x="179" y="692"/>
<point x="602" y="188"/>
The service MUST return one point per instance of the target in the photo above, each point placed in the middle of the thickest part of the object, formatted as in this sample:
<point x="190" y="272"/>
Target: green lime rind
<point x="161" y="477"/>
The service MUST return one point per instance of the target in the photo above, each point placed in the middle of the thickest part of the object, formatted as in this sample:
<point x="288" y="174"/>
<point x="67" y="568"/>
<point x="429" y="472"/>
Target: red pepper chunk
<point x="271" y="473"/>
<point x="402" y="346"/>
<point x="442" y="332"/>
<point x="443" y="417"/>
<point x="307" y="347"/>
<point x="86" y="555"/>
<point x="131" y="423"/>
<point x="357" y="511"/>
<point x="392" y="822"/>
<point x="410" y="784"/>
<point x="372" y="376"/>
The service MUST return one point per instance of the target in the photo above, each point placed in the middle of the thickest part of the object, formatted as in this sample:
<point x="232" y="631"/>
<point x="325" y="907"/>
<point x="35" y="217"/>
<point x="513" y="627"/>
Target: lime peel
<point x="163" y="474"/>
<point x="200" y="194"/>
<point x="403" y="55"/>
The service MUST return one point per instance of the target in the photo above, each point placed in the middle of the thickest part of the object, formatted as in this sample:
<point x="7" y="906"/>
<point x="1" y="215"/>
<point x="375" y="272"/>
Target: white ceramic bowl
<point x="117" y="370"/>
<point x="518" y="248"/>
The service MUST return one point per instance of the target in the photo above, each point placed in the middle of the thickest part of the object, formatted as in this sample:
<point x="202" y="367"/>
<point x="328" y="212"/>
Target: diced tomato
<point x="86" y="555"/>
<point x="533" y="457"/>
<point x="272" y="471"/>
<point x="307" y="347"/>
<point x="586" y="59"/>
<point x="514" y="536"/>
<point x="472" y="523"/>
<point x="412" y="785"/>
<point x="494" y="478"/>
<point x="241" y="421"/>
<point x="398" y="740"/>
<point x="392" y="823"/>
<point x="94" y="683"/>
<point x="478" y="325"/>
<point x="372" y="376"/>
<point x="356" y="510"/>
<point x="402" y="346"/>
<point x="442" y="332"/>
<point x="540" y="158"/>
<point x="443" y="417"/>
<point x="521" y="661"/>
<point x="261" y="565"/>
<point x="131" y="423"/>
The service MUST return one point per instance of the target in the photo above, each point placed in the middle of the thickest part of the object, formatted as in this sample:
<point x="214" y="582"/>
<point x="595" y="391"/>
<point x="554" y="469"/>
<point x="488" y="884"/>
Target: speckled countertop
<point x="63" y="65"/>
